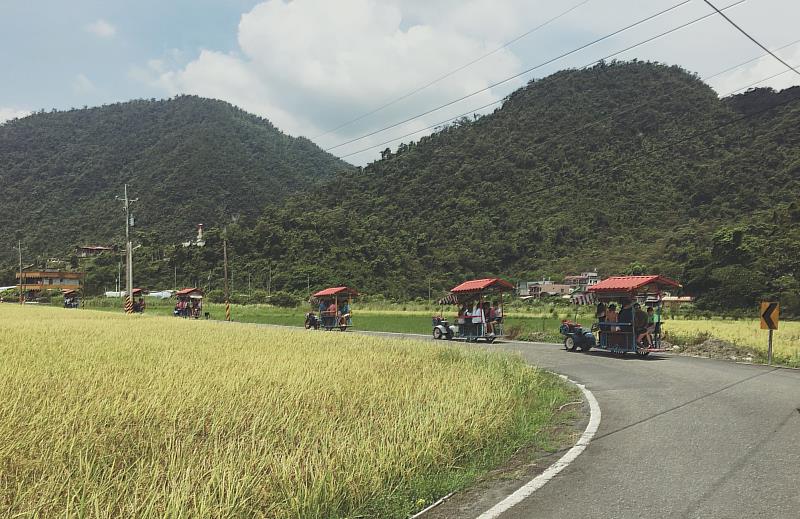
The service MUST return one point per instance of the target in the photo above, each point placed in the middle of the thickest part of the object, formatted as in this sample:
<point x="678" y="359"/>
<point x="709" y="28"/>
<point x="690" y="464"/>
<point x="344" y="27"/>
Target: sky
<point x="318" y="68"/>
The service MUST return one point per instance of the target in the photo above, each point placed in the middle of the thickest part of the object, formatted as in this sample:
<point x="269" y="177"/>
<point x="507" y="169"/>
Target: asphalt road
<point x="679" y="437"/>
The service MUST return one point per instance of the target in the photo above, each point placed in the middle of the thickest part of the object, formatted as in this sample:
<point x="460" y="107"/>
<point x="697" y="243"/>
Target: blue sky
<point x="311" y="65"/>
<point x="48" y="44"/>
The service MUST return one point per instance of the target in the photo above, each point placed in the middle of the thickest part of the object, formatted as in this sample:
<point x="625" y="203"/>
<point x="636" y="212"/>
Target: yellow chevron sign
<point x="769" y="315"/>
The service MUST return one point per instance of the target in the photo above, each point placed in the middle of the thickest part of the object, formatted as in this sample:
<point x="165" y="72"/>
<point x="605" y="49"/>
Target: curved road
<point x="679" y="437"/>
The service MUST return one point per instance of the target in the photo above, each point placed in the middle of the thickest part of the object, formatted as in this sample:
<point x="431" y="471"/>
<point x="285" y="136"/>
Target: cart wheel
<point x="307" y="325"/>
<point x="343" y="327"/>
<point x="569" y="344"/>
<point x="449" y="336"/>
<point x="586" y="347"/>
<point x="437" y="333"/>
<point x="490" y="339"/>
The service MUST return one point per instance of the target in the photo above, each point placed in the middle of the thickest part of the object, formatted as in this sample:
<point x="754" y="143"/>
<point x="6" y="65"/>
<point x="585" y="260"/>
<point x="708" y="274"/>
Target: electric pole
<point x="225" y="269"/>
<point x="128" y="252"/>
<point x="21" y="297"/>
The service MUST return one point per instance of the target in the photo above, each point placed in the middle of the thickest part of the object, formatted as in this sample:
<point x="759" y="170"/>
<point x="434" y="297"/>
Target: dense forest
<point x="188" y="160"/>
<point x="624" y="168"/>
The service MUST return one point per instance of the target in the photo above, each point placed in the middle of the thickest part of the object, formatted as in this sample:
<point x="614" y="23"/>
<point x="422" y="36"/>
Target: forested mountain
<point x="189" y="160"/>
<point x="623" y="167"/>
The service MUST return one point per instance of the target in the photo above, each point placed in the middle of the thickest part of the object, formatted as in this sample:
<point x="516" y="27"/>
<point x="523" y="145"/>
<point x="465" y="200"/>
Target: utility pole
<point x="308" y="282"/>
<point x="175" y="279"/>
<point x="269" y="281"/>
<point x="225" y="269"/>
<point x="21" y="297"/>
<point x="249" y="286"/>
<point x="128" y="252"/>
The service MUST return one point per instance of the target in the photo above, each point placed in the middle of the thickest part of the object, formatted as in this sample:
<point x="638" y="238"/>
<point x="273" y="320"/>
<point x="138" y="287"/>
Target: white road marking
<point x="538" y="482"/>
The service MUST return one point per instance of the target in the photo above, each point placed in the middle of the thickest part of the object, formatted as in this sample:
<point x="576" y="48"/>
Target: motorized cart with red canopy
<point x="480" y="314"/>
<point x="628" y="333"/>
<point x="334" y="306"/>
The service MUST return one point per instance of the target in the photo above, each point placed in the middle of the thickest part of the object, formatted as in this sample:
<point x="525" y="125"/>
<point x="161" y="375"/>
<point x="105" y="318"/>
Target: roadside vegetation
<point x="733" y="337"/>
<point x="106" y="415"/>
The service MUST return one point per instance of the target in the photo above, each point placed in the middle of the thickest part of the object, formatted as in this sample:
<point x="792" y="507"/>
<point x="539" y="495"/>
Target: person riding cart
<point x="334" y="309"/>
<point x="635" y="328"/>
<point x="480" y="314"/>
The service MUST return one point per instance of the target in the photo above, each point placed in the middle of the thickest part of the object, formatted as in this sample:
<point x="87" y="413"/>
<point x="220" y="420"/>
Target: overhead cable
<point x="524" y="72"/>
<point x="454" y="71"/>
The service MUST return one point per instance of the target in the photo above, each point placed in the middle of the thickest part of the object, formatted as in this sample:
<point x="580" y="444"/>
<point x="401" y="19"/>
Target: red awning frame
<point x="335" y="291"/>
<point x="483" y="285"/>
<point x="628" y="286"/>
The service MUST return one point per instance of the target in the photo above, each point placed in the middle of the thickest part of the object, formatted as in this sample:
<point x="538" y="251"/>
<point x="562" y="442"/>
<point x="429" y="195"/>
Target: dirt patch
<point x="525" y="465"/>
<point x="718" y="349"/>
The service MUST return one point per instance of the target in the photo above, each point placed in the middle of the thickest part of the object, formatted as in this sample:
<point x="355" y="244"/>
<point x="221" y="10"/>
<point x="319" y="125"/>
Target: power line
<point x="524" y="72"/>
<point x="751" y="38"/>
<point x="682" y="26"/>
<point x="454" y="71"/>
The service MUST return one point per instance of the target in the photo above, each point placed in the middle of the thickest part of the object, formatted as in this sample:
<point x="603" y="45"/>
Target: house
<point x="583" y="281"/>
<point x="91" y="250"/>
<point x="545" y="287"/>
<point x="35" y="281"/>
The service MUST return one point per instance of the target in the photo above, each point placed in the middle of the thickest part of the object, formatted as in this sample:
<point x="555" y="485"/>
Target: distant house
<point x="91" y="250"/>
<point x="35" y="281"/>
<point x="675" y="302"/>
<point x="583" y="281"/>
<point x="545" y="288"/>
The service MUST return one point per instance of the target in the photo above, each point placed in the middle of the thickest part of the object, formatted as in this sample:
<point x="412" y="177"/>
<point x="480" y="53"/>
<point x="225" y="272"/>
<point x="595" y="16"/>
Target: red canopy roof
<point x="187" y="291"/>
<point x="632" y="283"/>
<point x="335" y="291"/>
<point x="478" y="285"/>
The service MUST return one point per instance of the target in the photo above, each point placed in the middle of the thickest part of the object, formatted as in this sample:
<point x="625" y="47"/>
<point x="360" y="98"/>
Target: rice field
<point x="747" y="333"/>
<point x="104" y="415"/>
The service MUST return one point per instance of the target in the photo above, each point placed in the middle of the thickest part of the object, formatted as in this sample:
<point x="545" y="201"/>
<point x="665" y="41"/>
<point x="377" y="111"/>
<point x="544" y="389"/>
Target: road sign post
<point x="770" y="312"/>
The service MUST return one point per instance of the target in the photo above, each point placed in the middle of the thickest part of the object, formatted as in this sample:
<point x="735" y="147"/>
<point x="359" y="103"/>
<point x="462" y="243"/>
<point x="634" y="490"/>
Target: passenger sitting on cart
<point x="323" y="306"/>
<point x="612" y="317"/>
<point x="639" y="323"/>
<point x="331" y="309"/>
<point x="478" y="317"/>
<point x="488" y="314"/>
<point x="651" y="325"/>
<point x="345" y="313"/>
<point x="498" y="314"/>
<point x="625" y="316"/>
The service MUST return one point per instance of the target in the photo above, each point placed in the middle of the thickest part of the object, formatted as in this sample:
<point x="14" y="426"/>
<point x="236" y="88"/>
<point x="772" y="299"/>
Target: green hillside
<point x="189" y="160"/>
<point x="623" y="167"/>
<point x="618" y="168"/>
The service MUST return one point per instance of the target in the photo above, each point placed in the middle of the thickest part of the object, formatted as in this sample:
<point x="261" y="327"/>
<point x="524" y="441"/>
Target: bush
<point x="284" y="300"/>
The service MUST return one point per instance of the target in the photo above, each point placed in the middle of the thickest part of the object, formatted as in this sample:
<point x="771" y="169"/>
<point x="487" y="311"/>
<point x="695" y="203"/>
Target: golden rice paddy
<point x="103" y="415"/>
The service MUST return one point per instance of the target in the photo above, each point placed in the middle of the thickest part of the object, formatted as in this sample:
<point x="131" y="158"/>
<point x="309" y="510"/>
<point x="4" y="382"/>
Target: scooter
<point x="443" y="329"/>
<point x="312" y="321"/>
<point x="576" y="337"/>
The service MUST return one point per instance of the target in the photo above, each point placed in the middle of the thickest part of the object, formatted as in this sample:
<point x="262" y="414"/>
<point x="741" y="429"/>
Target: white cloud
<point x="101" y="28"/>
<point x="83" y="85"/>
<point x="310" y="65"/>
<point x="6" y="114"/>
